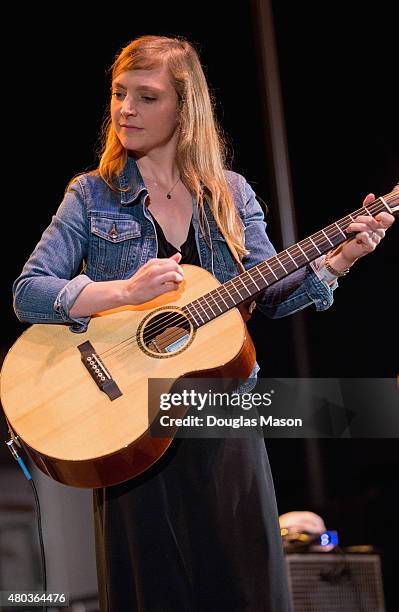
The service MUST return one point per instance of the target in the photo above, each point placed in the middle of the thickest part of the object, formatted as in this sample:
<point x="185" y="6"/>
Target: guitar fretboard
<point x="255" y="280"/>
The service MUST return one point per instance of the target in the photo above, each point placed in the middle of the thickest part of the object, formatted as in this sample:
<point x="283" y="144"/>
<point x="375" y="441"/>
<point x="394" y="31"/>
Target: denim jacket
<point x="98" y="235"/>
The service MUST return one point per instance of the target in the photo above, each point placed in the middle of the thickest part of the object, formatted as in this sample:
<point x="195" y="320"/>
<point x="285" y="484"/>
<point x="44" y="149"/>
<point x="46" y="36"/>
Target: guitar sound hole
<point x="165" y="332"/>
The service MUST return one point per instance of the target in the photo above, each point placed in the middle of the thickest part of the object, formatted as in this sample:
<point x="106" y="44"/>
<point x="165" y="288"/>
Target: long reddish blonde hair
<point x="201" y="150"/>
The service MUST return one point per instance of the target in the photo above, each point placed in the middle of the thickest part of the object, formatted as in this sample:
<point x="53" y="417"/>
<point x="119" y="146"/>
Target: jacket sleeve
<point x="50" y="281"/>
<point x="297" y="290"/>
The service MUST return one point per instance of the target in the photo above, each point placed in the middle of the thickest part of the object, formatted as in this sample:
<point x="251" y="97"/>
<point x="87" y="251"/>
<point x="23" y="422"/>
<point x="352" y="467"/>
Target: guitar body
<point x="71" y="428"/>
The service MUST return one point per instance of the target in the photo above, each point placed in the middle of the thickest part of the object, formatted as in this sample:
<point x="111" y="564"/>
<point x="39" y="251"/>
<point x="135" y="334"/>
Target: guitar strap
<point x="249" y="306"/>
<point x="233" y="250"/>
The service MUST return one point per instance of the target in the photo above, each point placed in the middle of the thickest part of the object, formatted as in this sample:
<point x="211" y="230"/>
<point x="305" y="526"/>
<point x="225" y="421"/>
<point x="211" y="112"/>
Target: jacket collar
<point x="131" y="180"/>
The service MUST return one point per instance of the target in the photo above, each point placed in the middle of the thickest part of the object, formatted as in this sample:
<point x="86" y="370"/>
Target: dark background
<point x="339" y="76"/>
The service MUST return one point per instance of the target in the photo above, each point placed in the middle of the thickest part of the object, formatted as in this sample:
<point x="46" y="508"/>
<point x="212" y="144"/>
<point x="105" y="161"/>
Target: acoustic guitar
<point x="79" y="402"/>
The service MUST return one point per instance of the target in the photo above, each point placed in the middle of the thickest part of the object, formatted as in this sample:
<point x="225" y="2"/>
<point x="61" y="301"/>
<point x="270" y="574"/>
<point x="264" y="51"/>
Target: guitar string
<point x="178" y="317"/>
<point x="168" y="318"/>
<point x="173" y="335"/>
<point x="278" y="258"/>
<point x="169" y="336"/>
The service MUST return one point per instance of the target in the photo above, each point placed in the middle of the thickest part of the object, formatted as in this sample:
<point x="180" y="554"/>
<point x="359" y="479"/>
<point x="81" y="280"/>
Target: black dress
<point x="198" y="532"/>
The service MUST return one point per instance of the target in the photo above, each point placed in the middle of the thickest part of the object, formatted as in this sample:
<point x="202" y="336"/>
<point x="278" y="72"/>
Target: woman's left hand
<point x="370" y="231"/>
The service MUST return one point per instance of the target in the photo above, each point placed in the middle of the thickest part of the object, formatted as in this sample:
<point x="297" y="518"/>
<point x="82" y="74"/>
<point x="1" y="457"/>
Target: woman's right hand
<point x="157" y="276"/>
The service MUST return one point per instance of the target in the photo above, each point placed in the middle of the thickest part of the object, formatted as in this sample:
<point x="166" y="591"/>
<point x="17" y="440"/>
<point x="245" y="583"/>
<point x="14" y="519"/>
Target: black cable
<point x="40" y="533"/>
<point x="12" y="446"/>
<point x="344" y="572"/>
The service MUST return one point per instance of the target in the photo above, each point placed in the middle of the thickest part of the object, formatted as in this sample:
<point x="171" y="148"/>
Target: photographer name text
<point x="231" y="422"/>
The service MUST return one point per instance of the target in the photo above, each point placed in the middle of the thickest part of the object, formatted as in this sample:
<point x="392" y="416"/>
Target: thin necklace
<point x="168" y="195"/>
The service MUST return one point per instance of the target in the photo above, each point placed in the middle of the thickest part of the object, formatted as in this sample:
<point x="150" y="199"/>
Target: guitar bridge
<point x="98" y="371"/>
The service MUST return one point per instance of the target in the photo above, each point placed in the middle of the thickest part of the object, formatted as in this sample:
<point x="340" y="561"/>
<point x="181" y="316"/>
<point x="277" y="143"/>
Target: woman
<point x="199" y="530"/>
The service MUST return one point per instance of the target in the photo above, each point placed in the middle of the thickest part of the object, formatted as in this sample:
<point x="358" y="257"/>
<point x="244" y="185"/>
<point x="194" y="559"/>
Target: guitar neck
<point x="250" y="283"/>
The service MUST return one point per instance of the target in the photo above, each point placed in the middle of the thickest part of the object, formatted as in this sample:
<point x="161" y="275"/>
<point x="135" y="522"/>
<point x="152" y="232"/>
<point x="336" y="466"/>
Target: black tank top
<point x="188" y="249"/>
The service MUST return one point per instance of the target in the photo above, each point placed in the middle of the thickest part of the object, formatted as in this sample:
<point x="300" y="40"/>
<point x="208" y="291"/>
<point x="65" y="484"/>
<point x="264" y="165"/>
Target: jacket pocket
<point x="114" y="249"/>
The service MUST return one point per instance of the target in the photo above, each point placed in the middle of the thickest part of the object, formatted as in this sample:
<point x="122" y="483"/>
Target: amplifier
<point x="328" y="582"/>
